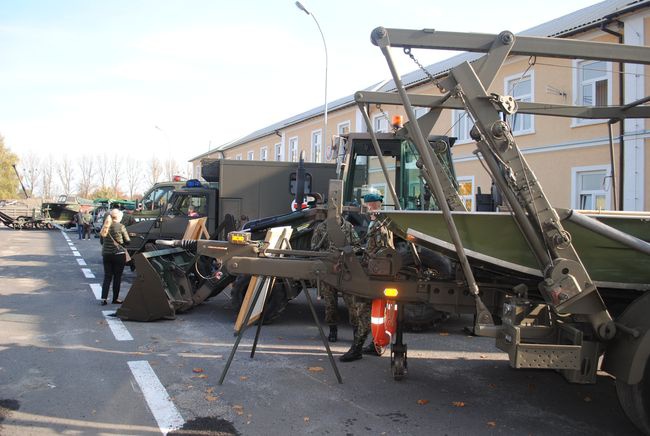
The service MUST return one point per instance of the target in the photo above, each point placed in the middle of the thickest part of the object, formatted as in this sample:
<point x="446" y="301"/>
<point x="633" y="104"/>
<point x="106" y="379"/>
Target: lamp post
<point x="302" y="8"/>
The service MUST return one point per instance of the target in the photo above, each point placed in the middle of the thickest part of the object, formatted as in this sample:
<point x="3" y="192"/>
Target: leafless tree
<point x="86" y="176"/>
<point x="115" y="174"/>
<point x="171" y="169"/>
<point x="66" y="173"/>
<point x="101" y="170"/>
<point x="31" y="164"/>
<point x="155" y="170"/>
<point x="46" y="176"/>
<point x="133" y="176"/>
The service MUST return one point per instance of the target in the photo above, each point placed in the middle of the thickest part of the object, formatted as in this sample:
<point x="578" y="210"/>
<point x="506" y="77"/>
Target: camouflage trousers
<point x="358" y="312"/>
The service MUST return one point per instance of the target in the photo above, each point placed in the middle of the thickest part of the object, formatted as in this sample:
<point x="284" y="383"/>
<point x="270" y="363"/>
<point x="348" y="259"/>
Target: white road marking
<point x="156" y="396"/>
<point x="81" y="262"/>
<point x="97" y="290"/>
<point x="76" y="253"/>
<point x="87" y="272"/>
<point x="117" y="326"/>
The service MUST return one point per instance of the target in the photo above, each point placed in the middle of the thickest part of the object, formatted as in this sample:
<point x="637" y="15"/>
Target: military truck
<point x="156" y="198"/>
<point x="235" y="192"/>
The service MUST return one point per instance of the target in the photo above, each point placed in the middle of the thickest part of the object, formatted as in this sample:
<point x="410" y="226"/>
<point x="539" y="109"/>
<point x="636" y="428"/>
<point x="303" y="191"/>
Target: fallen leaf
<point x="483" y="356"/>
<point x="243" y="377"/>
<point x="239" y="410"/>
<point x="209" y="390"/>
<point x="153" y="363"/>
<point x="315" y="368"/>
<point x="587" y="399"/>
<point x="200" y="376"/>
<point x="197" y="370"/>
<point x="492" y="385"/>
<point x="444" y="333"/>
<point x="458" y="403"/>
<point x="211" y="398"/>
<point x="306" y="419"/>
<point x="423" y="402"/>
<point x="50" y="350"/>
<point x="491" y="424"/>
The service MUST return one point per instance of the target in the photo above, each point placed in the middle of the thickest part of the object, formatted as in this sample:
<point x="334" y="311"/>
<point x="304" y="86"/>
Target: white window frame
<point x="278" y="152"/>
<point x="294" y="149"/>
<point x="239" y="156"/>
<point x="316" y="145"/>
<point x="264" y="153"/>
<point x="250" y="155"/>
<point x="512" y="80"/>
<point x="472" y="195"/>
<point x="577" y="90"/>
<point x="378" y="123"/>
<point x="458" y="127"/>
<point x="575" y="194"/>
<point x="340" y="127"/>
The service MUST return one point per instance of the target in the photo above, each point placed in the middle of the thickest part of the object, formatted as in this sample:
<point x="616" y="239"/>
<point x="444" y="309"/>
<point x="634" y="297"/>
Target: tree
<point x="31" y="163"/>
<point x="8" y="180"/>
<point x="115" y="174"/>
<point x="155" y="171"/>
<point x="133" y="175"/>
<point x="171" y="169"/>
<point x="103" y="164"/>
<point x="66" y="173"/>
<point x="46" y="176"/>
<point x="86" y="180"/>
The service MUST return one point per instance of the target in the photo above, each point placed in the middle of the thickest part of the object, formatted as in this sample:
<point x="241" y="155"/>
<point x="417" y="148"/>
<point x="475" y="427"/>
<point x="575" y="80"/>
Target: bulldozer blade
<point x="161" y="287"/>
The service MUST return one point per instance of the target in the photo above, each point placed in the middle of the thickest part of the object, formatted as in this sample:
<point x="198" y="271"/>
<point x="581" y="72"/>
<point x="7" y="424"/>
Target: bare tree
<point x="66" y="173"/>
<point x="31" y="164"/>
<point x="46" y="176"/>
<point x="86" y="177"/>
<point x="171" y="168"/>
<point x="133" y="175"/>
<point x="155" y="170"/>
<point x="103" y="164"/>
<point x="115" y="174"/>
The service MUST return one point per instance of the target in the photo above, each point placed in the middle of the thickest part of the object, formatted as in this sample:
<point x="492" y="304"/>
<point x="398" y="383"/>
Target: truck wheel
<point x="635" y="401"/>
<point x="419" y="317"/>
<point x="276" y="305"/>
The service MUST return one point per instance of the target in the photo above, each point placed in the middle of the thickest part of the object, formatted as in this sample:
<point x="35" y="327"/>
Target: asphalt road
<point x="64" y="371"/>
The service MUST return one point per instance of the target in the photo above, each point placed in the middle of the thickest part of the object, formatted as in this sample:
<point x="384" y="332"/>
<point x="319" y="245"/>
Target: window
<point x="293" y="149"/>
<point x="590" y="188"/>
<point x="380" y="123"/>
<point x="238" y="157"/>
<point x="279" y="152"/>
<point x="316" y="146"/>
<point x="251" y="155"/>
<point x="462" y="124"/>
<point x="466" y="191"/>
<point x="592" y="86"/>
<point x="343" y="128"/>
<point x="197" y="172"/>
<point x="521" y="88"/>
<point x="419" y="111"/>
<point x="264" y="153"/>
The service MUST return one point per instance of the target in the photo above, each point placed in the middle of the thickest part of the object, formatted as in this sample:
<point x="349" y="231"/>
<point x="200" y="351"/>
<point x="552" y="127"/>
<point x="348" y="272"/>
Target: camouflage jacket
<point x="378" y="237"/>
<point x="320" y="240"/>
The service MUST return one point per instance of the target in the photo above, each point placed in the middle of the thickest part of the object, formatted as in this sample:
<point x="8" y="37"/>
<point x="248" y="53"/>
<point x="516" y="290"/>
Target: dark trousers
<point x="113" y="268"/>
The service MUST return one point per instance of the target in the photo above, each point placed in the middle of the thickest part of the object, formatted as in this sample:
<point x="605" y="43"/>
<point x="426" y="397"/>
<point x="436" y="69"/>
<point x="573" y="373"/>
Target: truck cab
<point x="155" y="199"/>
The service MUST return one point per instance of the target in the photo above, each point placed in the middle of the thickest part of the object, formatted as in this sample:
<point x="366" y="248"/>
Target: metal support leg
<point x="261" y="320"/>
<point x="240" y="335"/>
<point x="398" y="364"/>
<point x="322" y="334"/>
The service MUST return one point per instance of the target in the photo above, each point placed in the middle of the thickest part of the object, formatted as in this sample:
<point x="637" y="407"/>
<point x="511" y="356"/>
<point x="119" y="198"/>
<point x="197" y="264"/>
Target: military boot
<point x="370" y="349"/>
<point x="354" y="353"/>
<point x="333" y="336"/>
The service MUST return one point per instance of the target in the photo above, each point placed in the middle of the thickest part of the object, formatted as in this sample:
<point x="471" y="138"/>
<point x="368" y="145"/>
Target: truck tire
<point x="276" y="305"/>
<point x="635" y="401"/>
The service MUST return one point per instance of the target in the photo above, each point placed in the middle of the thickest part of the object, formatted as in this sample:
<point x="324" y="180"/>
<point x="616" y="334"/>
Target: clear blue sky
<point x="91" y="76"/>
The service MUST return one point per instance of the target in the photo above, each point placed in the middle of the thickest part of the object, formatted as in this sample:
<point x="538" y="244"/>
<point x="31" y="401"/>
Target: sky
<point x="176" y="78"/>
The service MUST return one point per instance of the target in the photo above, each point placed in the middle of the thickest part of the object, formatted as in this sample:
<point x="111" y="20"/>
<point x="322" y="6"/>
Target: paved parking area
<point x="66" y="367"/>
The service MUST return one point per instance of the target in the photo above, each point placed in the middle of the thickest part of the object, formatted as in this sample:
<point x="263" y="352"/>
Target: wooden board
<point x="196" y="229"/>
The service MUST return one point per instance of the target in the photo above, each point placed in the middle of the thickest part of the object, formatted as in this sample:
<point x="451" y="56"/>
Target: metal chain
<point x="409" y="53"/>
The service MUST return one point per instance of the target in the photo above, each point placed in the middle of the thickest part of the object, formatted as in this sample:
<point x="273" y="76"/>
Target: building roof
<point x="567" y="25"/>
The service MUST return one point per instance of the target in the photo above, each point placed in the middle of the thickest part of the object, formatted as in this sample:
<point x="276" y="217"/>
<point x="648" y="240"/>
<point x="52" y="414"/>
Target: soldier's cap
<point x="368" y="198"/>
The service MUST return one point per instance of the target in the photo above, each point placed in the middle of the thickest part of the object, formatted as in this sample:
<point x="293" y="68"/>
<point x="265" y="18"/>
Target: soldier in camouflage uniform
<point x="320" y="241"/>
<point x="378" y="236"/>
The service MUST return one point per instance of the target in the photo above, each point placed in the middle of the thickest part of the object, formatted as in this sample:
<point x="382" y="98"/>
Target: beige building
<point x="571" y="157"/>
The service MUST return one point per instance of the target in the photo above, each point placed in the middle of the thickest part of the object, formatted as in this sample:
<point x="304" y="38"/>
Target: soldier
<point x="320" y="241"/>
<point x="378" y="236"/>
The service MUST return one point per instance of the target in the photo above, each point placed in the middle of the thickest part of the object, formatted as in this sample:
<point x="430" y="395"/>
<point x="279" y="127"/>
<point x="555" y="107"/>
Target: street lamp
<point x="302" y="8"/>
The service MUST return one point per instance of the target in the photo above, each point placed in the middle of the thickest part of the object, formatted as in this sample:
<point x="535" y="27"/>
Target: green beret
<point x="372" y="197"/>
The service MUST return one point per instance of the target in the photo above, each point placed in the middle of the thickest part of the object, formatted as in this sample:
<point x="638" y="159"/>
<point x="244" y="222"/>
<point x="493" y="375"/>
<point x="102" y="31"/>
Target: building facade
<point x="571" y="157"/>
